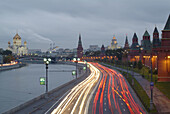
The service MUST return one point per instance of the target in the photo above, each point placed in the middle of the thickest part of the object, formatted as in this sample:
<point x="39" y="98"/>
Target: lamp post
<point x="76" y="61"/>
<point x="151" y="87"/>
<point x="47" y="61"/>
<point x="132" y="65"/>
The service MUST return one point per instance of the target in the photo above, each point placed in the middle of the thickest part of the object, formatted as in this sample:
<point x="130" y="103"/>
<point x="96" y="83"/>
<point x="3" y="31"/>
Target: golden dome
<point x="17" y="37"/>
<point x="25" y="42"/>
<point x="15" y="42"/>
<point x="9" y="42"/>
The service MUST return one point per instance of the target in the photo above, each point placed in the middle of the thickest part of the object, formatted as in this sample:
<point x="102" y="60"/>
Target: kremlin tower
<point x="134" y="51"/>
<point x="164" y="54"/>
<point x="126" y="46"/>
<point x="79" y="48"/>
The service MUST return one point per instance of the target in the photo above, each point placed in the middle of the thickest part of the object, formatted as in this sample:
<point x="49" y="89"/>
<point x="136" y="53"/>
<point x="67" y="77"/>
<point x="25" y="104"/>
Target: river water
<point x="20" y="85"/>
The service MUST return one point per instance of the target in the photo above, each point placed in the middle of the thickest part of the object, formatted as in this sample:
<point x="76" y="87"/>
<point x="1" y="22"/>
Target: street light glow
<point x="49" y="59"/>
<point x="45" y="59"/>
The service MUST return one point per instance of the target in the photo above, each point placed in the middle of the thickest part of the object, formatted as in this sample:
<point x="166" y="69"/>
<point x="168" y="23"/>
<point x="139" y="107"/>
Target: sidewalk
<point x="161" y="102"/>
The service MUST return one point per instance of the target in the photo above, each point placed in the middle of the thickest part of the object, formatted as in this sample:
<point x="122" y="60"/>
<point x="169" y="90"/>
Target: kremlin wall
<point x="155" y="52"/>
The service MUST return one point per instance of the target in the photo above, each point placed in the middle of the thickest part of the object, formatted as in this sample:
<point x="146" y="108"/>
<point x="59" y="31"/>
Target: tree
<point x="7" y="52"/>
<point x="140" y="65"/>
<point x="8" y="58"/>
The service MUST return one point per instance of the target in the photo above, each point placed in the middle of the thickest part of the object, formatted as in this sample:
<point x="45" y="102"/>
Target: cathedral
<point x="17" y="48"/>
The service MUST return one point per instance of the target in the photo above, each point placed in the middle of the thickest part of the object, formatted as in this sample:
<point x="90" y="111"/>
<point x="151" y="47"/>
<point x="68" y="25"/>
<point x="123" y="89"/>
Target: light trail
<point x="79" y="92"/>
<point x="117" y="88"/>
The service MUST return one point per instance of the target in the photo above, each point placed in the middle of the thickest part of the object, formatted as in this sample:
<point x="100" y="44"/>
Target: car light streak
<point x="81" y="91"/>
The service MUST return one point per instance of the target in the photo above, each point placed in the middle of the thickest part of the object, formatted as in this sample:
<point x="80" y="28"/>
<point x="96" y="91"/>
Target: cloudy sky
<point x="41" y="22"/>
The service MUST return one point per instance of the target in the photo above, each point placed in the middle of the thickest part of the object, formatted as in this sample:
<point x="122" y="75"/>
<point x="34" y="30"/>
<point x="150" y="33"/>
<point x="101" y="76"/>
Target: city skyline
<point x="42" y="22"/>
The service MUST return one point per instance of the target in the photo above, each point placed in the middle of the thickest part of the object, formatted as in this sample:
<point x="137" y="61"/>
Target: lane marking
<point x="123" y="109"/>
<point x="105" y="109"/>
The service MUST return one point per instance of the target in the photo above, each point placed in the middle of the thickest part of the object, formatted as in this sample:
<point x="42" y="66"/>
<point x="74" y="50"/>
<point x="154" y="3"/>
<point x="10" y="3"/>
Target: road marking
<point x="105" y="103"/>
<point x="123" y="109"/>
<point x="121" y="103"/>
<point x="105" y="109"/>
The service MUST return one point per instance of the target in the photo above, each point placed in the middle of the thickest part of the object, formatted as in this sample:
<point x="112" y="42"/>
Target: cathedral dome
<point x="9" y="42"/>
<point x="17" y="37"/>
<point x="25" y="42"/>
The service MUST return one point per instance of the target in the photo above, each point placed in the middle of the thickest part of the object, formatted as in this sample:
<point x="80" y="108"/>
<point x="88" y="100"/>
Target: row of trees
<point x="7" y="56"/>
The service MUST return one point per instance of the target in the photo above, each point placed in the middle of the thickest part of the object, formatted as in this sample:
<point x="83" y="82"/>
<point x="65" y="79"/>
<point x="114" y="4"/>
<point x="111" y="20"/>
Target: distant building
<point x="113" y="44"/>
<point x="17" y="48"/>
<point x="79" y="48"/>
<point x="1" y="59"/>
<point x="93" y="48"/>
<point x="102" y="51"/>
<point x="34" y="51"/>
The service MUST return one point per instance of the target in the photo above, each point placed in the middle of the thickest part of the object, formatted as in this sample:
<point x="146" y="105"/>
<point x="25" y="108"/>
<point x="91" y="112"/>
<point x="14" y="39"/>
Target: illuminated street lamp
<point x="76" y="61"/>
<point x="47" y="61"/>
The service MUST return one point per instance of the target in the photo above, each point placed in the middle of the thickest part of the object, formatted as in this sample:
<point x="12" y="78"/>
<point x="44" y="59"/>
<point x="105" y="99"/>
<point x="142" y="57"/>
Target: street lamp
<point x="47" y="61"/>
<point x="132" y="65"/>
<point x="151" y="87"/>
<point x="76" y="61"/>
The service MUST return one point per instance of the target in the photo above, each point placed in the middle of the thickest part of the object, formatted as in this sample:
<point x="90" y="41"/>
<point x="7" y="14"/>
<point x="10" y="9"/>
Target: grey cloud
<point x="61" y="21"/>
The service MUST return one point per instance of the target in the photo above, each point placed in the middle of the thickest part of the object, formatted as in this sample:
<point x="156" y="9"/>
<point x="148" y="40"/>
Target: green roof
<point x="167" y="26"/>
<point x="146" y="33"/>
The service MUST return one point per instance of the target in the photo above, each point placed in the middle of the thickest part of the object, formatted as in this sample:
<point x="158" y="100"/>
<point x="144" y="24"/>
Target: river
<point x="20" y="85"/>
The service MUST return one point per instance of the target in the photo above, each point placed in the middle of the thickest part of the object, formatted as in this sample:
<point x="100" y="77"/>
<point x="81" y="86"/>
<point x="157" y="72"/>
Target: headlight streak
<point x="83" y="88"/>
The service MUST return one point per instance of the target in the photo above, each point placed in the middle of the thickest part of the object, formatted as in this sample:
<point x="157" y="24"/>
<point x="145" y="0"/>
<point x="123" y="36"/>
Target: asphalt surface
<point x="114" y="95"/>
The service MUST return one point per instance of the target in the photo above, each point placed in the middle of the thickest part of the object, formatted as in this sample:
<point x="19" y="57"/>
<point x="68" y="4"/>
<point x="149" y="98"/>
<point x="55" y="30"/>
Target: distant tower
<point x="134" y="50"/>
<point x="135" y="45"/>
<point x="156" y="41"/>
<point x="102" y="51"/>
<point x="79" y="48"/>
<point x="126" y="46"/>
<point x="146" y="43"/>
<point x="114" y="43"/>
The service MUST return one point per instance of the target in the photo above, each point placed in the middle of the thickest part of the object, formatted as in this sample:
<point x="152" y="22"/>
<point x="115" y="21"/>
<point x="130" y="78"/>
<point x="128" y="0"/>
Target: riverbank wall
<point x="9" y="67"/>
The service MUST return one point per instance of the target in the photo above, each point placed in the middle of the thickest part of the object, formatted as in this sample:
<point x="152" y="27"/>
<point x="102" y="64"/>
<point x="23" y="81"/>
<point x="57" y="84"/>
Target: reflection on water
<point x="20" y="85"/>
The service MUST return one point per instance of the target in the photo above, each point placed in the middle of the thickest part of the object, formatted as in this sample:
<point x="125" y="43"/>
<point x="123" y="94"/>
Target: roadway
<point x="105" y="91"/>
<point x="114" y="95"/>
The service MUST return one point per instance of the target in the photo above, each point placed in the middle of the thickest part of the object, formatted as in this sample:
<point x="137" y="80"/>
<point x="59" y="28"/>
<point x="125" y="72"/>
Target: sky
<point x="41" y="22"/>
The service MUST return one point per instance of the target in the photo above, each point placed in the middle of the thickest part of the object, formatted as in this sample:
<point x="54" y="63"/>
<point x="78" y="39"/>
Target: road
<point x="77" y="99"/>
<point x="105" y="91"/>
<point x="113" y="95"/>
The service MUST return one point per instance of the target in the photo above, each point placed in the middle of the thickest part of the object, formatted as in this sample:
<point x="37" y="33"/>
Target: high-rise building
<point x="79" y="48"/>
<point x="113" y="44"/>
